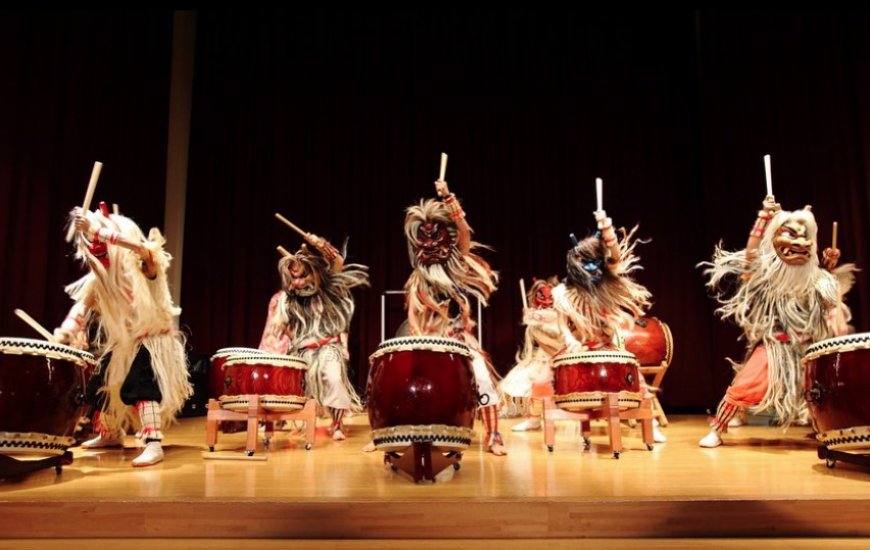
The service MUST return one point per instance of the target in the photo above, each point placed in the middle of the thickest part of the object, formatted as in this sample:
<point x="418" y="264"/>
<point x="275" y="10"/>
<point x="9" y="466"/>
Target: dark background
<point x="337" y="121"/>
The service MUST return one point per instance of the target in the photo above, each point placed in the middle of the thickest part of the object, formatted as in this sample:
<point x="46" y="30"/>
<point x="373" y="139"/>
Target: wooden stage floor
<point x="762" y="483"/>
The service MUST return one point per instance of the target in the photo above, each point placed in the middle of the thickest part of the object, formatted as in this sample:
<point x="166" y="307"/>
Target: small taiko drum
<point x="650" y="341"/>
<point x="42" y="387"/>
<point x="421" y="389"/>
<point x="584" y="379"/>
<point x="837" y="390"/>
<point x="217" y="379"/>
<point x="276" y="379"/>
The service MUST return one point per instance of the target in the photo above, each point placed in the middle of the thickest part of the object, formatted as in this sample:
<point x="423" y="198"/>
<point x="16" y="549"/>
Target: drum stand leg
<point x="422" y="461"/>
<point x="252" y="418"/>
<point x="831" y="457"/>
<point x="10" y="467"/>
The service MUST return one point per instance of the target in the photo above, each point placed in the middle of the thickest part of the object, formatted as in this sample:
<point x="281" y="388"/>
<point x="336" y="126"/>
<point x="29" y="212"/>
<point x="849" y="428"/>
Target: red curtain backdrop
<point x="77" y="87"/>
<point x="337" y="121"/>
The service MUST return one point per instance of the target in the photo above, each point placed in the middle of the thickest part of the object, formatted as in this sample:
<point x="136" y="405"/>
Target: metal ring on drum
<point x="278" y="380"/>
<point x="584" y="379"/>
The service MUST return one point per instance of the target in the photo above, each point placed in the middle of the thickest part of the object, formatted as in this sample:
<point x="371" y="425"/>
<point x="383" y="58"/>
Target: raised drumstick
<point x="283" y="251"/>
<point x="89" y="195"/>
<point x="115" y="210"/>
<point x="768" y="176"/>
<point x="599" y="193"/>
<point x="523" y="294"/>
<point x="834" y="237"/>
<point x="292" y="225"/>
<point x="34" y="325"/>
<point x="443" y="171"/>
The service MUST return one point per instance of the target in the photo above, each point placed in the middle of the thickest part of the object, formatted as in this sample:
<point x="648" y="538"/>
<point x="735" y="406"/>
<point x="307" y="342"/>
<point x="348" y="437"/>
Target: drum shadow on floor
<point x="843" y="470"/>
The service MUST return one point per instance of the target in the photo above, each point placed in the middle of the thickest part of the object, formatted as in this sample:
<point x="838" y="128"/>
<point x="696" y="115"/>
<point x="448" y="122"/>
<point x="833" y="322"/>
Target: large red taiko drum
<point x="278" y="380"/>
<point x="421" y="388"/>
<point x="583" y="379"/>
<point x="42" y="387"/>
<point x="837" y="390"/>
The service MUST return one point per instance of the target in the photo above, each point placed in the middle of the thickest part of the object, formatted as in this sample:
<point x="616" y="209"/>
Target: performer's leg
<point x="149" y="416"/>
<point x="747" y="389"/>
<point x="103" y="436"/>
<point x="540" y="390"/>
<point x="658" y="436"/>
<point x="141" y="390"/>
<point x="337" y="426"/>
<point x="493" y="438"/>
<point x="489" y="399"/>
<point x="334" y="393"/>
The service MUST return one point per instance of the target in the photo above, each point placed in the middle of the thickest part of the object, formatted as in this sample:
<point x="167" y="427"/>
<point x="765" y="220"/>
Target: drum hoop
<point x="669" y="341"/>
<point x="421" y="343"/>
<point x="840" y="344"/>
<point x="34" y="443"/>
<point x="229" y="352"/>
<point x="282" y="361"/>
<point x="29" y="346"/>
<point x="605" y="356"/>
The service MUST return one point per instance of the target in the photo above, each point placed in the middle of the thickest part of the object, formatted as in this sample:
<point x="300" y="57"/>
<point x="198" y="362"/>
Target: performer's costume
<point x="310" y="317"/>
<point x="446" y="273"/>
<point x="532" y="377"/>
<point x="784" y="303"/>
<point x="599" y="294"/>
<point x="142" y="358"/>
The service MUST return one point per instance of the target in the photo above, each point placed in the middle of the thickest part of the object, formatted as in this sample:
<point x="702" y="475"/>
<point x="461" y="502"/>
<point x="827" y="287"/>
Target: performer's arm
<point x="332" y="255"/>
<point x="110" y="236"/>
<point x="605" y="225"/>
<point x="463" y="230"/>
<point x="830" y="258"/>
<point x="72" y="330"/>
<point x="769" y="208"/>
<point x="412" y="319"/>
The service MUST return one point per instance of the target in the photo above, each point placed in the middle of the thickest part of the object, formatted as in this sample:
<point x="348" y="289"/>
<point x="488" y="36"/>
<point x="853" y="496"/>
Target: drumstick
<point x="443" y="167"/>
<point x="34" y="325"/>
<point x="523" y="293"/>
<point x="283" y="251"/>
<point x="89" y="195"/>
<point x="599" y="193"/>
<point x="768" y="176"/>
<point x="115" y="209"/>
<point x="292" y="225"/>
<point x="834" y="237"/>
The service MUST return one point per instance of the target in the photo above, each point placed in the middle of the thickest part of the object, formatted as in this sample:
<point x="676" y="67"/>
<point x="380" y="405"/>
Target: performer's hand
<point x="61" y="336"/>
<point x="830" y="258"/>
<point x="770" y="205"/>
<point x="441" y="188"/>
<point x="81" y="223"/>
<point x="602" y="219"/>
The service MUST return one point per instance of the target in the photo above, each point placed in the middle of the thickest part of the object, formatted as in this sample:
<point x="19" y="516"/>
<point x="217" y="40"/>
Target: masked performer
<point x="142" y="358"/>
<point x="310" y="317"/>
<point x="784" y="303"/>
<point x="532" y="377"/>
<point x="599" y="294"/>
<point x="447" y="272"/>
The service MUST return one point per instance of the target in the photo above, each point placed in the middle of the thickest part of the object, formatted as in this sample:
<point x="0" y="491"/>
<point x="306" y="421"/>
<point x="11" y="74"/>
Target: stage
<point x="764" y="484"/>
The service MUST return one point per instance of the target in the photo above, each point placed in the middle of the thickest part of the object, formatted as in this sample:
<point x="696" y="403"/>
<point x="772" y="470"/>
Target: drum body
<point x="277" y="379"/>
<point x="837" y="382"/>
<point x="583" y="380"/>
<point x="650" y="340"/>
<point x="42" y="387"/>
<point x="421" y="388"/>
<point x="217" y="379"/>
